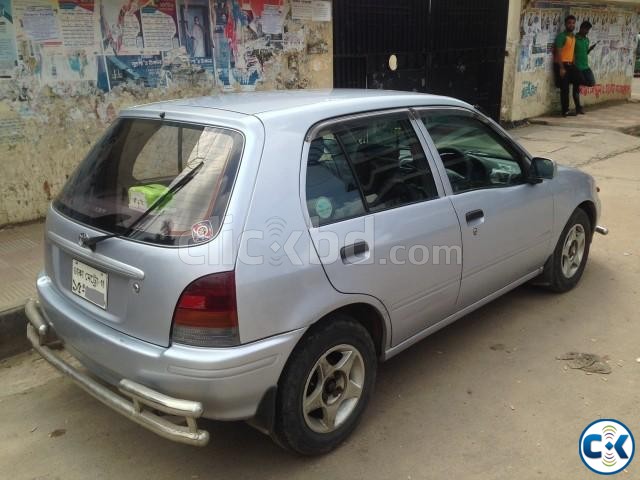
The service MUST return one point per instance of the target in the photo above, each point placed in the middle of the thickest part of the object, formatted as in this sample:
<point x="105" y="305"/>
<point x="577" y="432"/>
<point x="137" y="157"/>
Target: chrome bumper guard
<point x="141" y="400"/>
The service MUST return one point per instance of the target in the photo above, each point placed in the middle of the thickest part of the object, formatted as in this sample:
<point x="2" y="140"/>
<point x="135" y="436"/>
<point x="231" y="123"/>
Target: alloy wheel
<point x="573" y="251"/>
<point x="333" y="388"/>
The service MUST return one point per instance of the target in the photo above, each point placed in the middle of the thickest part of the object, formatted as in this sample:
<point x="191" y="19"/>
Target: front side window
<point x="140" y="164"/>
<point x="474" y="155"/>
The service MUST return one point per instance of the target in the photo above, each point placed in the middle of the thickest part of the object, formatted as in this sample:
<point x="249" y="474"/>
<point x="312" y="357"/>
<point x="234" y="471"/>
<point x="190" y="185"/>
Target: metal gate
<point x="446" y="47"/>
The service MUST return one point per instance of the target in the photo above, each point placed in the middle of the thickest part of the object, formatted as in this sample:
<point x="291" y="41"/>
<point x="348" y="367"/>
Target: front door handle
<point x="474" y="215"/>
<point x="354" y="251"/>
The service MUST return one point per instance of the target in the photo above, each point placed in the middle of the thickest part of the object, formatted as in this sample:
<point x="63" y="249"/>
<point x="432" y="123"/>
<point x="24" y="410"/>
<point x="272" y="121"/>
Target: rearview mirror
<point x="541" y="169"/>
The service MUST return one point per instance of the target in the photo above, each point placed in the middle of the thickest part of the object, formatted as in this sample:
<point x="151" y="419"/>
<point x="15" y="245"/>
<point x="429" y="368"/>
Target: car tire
<point x="325" y="386"/>
<point x="566" y="266"/>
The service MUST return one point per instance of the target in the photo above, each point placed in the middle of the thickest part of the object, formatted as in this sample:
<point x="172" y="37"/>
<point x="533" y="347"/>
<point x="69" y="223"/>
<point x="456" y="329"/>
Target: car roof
<point x="305" y="103"/>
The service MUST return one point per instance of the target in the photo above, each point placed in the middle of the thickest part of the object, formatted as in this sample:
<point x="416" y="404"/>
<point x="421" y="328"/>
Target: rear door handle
<point x="354" y="251"/>
<point x="474" y="215"/>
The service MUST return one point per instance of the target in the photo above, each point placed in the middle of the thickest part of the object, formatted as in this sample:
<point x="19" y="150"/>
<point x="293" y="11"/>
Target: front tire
<point x="571" y="254"/>
<point x="325" y="387"/>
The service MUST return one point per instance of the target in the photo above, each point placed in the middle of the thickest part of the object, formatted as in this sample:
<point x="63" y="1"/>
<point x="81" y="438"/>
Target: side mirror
<point x="541" y="169"/>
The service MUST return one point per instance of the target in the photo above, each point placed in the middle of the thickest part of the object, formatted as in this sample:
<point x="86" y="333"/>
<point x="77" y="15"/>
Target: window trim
<point x="330" y="124"/>
<point x="523" y="157"/>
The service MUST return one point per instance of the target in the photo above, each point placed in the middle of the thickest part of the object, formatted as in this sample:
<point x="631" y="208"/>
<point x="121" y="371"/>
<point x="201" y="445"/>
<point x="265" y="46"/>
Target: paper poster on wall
<point x="256" y="7"/>
<point x="121" y="27"/>
<point x="58" y="65"/>
<point x="245" y="34"/>
<point x="294" y="41"/>
<point x="195" y="28"/>
<point x="614" y="35"/>
<point x="11" y="127"/>
<point x="321" y="11"/>
<point x="39" y="22"/>
<point x="159" y="26"/>
<point x="8" y="50"/>
<point x="302" y="9"/>
<point x="272" y="20"/>
<point x="143" y="70"/>
<point x="540" y="27"/>
<point x="78" y="23"/>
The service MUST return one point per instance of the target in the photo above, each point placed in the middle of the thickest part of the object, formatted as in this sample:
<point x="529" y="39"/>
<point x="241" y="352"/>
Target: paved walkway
<point x="21" y="251"/>
<point x="575" y="146"/>
<point x="623" y="117"/>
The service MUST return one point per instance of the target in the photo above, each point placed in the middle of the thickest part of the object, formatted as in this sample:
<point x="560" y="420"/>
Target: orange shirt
<point x="566" y="46"/>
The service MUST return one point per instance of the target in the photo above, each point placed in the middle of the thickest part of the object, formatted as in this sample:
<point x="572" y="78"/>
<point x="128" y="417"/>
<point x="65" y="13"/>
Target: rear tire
<point x="565" y="268"/>
<point x="325" y="387"/>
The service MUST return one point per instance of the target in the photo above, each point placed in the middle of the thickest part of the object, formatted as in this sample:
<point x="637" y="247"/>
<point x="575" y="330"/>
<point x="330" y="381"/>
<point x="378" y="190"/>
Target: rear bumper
<point x="228" y="382"/>
<point x="42" y="338"/>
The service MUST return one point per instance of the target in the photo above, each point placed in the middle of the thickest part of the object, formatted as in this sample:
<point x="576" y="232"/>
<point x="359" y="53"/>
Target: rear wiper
<point x="91" y="242"/>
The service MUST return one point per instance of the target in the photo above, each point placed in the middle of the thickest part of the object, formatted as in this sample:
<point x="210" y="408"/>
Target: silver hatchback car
<point x="253" y="256"/>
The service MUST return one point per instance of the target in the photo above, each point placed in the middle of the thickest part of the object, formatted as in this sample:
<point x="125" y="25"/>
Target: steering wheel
<point x="467" y="166"/>
<point x="456" y="161"/>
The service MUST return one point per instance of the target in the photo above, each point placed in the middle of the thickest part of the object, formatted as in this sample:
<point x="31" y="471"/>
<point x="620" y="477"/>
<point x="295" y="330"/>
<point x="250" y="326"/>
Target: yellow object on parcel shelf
<point x="141" y="197"/>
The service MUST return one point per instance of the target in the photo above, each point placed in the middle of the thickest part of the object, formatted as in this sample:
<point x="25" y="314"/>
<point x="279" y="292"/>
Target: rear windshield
<point x="136" y="165"/>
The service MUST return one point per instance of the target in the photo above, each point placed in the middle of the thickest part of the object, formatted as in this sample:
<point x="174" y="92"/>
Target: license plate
<point x="89" y="283"/>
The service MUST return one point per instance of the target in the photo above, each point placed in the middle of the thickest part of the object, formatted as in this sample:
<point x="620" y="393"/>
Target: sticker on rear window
<point x="324" y="208"/>
<point x="137" y="201"/>
<point x="202" y="231"/>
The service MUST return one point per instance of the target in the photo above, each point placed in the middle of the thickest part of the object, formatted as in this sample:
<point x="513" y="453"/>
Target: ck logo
<point x="607" y="447"/>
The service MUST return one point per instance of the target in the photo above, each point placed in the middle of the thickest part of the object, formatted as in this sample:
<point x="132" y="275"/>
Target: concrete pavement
<point x="620" y="116"/>
<point x="20" y="260"/>
<point x="21" y="252"/>
<point x="575" y="146"/>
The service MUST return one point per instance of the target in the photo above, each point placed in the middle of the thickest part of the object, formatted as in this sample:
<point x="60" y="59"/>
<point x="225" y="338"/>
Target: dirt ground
<point x="483" y="399"/>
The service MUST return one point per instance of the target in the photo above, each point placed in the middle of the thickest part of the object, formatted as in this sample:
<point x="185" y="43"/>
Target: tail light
<point x="206" y="314"/>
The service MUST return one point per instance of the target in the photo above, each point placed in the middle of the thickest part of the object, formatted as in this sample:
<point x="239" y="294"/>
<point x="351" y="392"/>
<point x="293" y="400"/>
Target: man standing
<point x="567" y="73"/>
<point x="587" y="78"/>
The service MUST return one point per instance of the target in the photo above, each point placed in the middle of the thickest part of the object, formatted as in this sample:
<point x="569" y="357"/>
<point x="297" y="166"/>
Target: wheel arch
<point x="369" y="316"/>
<point x="590" y="209"/>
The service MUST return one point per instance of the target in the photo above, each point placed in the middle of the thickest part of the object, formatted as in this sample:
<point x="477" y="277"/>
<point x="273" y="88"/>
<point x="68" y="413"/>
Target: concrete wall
<point x="529" y="88"/>
<point x="68" y="66"/>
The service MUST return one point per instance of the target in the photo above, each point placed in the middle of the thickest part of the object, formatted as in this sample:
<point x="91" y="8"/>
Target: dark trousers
<point x="570" y="79"/>
<point x="588" y="78"/>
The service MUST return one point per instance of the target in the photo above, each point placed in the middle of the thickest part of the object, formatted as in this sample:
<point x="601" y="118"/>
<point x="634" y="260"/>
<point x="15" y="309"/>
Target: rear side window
<point x="135" y="166"/>
<point x="332" y="192"/>
<point x="366" y="165"/>
<point x="388" y="161"/>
